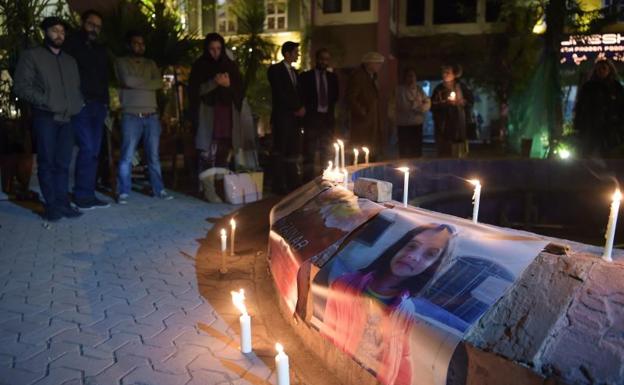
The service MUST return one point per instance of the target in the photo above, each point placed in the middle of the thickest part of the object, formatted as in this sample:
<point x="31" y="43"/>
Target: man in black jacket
<point x="47" y="78"/>
<point x="286" y="113"/>
<point x="319" y="90"/>
<point x="88" y="125"/>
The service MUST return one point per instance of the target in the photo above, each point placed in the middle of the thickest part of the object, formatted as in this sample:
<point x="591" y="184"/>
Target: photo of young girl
<point x="369" y="312"/>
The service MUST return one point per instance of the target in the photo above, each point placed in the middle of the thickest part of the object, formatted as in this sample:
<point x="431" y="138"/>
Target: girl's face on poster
<point x="419" y="253"/>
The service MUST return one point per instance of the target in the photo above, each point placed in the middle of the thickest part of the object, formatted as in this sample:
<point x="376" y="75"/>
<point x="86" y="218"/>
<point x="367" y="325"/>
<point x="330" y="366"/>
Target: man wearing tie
<point x="319" y="90"/>
<point x="286" y="113"/>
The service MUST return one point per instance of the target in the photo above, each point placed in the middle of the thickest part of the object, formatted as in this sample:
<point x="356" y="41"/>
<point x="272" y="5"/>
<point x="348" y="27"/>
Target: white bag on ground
<point x="207" y="183"/>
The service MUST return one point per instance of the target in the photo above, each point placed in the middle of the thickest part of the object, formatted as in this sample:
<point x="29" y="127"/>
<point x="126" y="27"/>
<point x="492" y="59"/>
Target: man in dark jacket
<point x="286" y="113"/>
<point x="319" y="90"/>
<point x="88" y="125"/>
<point x="48" y="79"/>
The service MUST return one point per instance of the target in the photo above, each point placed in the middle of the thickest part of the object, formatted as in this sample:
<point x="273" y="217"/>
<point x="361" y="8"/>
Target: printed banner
<point x="403" y="290"/>
<point x="312" y="233"/>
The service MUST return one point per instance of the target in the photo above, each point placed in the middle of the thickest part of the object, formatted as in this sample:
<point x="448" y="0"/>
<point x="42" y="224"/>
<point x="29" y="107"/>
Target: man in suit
<point x="286" y="113"/>
<point x="319" y="90"/>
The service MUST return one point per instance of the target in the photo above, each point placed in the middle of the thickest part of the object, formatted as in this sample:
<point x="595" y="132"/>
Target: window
<point x="454" y="11"/>
<point x="276" y="14"/>
<point x="332" y="6"/>
<point x="415" y="12"/>
<point x="616" y="7"/>
<point x="493" y="10"/>
<point x="226" y="21"/>
<point x="360" y="5"/>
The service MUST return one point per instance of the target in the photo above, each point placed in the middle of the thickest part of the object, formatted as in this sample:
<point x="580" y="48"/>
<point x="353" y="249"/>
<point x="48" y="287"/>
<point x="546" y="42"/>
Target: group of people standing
<point x="66" y="83"/>
<point x="303" y="114"/>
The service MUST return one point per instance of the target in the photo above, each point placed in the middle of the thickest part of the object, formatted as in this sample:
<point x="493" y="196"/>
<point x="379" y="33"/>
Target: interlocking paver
<point x="112" y="298"/>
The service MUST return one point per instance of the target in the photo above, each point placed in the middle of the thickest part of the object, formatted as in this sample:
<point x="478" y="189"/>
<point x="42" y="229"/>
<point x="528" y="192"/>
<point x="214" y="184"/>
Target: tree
<point x="253" y="53"/>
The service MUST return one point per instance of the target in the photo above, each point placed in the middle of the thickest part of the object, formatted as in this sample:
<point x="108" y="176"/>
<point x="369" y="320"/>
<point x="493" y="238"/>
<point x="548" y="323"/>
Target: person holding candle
<point x="369" y="313"/>
<point x="215" y="100"/>
<point x="319" y="91"/>
<point x="451" y="104"/>
<point x="411" y="104"/>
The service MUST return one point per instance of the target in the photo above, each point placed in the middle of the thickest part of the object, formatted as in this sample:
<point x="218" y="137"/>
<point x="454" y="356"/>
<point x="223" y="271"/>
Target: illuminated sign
<point x="579" y="48"/>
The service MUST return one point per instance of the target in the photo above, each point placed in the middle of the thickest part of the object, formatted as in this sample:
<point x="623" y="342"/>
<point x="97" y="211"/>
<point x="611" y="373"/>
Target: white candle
<point x="366" y="152"/>
<point x="223" y="268"/>
<point x="233" y="235"/>
<point x="337" y="156"/>
<point x="342" y="154"/>
<point x="282" y="366"/>
<point x="356" y="153"/>
<point x="238" y="298"/>
<point x="405" y="171"/>
<point x="345" y="178"/>
<point x="610" y="234"/>
<point x="476" y="199"/>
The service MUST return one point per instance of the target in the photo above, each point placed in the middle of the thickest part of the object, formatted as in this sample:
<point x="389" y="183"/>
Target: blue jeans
<point x="133" y="128"/>
<point x="54" y="141"/>
<point x="88" y="127"/>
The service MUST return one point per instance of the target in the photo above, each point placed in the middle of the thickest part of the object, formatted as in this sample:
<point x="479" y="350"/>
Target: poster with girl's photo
<point x="313" y="232"/>
<point x="399" y="296"/>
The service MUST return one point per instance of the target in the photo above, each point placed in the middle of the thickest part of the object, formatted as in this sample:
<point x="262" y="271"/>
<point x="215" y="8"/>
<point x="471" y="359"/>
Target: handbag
<point x="243" y="187"/>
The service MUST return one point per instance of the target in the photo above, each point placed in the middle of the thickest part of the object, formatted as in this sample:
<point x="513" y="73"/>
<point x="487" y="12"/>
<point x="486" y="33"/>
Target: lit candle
<point x="405" y="171"/>
<point x="345" y="178"/>
<point x="610" y="234"/>
<point x="233" y="235"/>
<point x="238" y="298"/>
<point x="476" y="199"/>
<point x="356" y="153"/>
<point x="452" y="96"/>
<point x="366" y="152"/>
<point x="281" y="365"/>
<point x="337" y="157"/>
<point x="342" y="154"/>
<point x="223" y="268"/>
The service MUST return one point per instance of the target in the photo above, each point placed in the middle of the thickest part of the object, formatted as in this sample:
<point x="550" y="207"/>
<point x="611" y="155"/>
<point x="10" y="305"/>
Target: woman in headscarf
<point x="599" y="111"/>
<point x="216" y="96"/>
<point x="451" y="104"/>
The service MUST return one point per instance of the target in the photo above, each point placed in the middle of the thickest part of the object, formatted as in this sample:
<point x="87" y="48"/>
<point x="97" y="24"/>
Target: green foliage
<point x="252" y="52"/>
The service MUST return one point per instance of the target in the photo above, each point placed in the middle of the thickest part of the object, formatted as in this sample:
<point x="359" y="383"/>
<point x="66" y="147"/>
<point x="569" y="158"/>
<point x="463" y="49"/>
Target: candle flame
<point x="355" y="151"/>
<point x="279" y="348"/>
<point x="365" y="149"/>
<point x="403" y="169"/>
<point x="223" y="233"/>
<point x="474" y="182"/>
<point x="238" y="299"/>
<point x="340" y="142"/>
<point x="233" y="223"/>
<point x="617" y="196"/>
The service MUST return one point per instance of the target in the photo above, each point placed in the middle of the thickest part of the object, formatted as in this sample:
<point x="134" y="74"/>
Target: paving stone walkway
<point x="112" y="298"/>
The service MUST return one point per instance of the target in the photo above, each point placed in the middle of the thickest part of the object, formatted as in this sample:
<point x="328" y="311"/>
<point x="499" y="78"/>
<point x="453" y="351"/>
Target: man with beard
<point x="139" y="78"/>
<point x="319" y="90"/>
<point x="88" y="125"/>
<point x="48" y="79"/>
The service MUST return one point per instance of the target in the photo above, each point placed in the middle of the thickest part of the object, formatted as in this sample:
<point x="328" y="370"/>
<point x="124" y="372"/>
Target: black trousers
<point x="55" y="141"/>
<point x="286" y="152"/>
<point x="410" y="141"/>
<point x="318" y="132"/>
